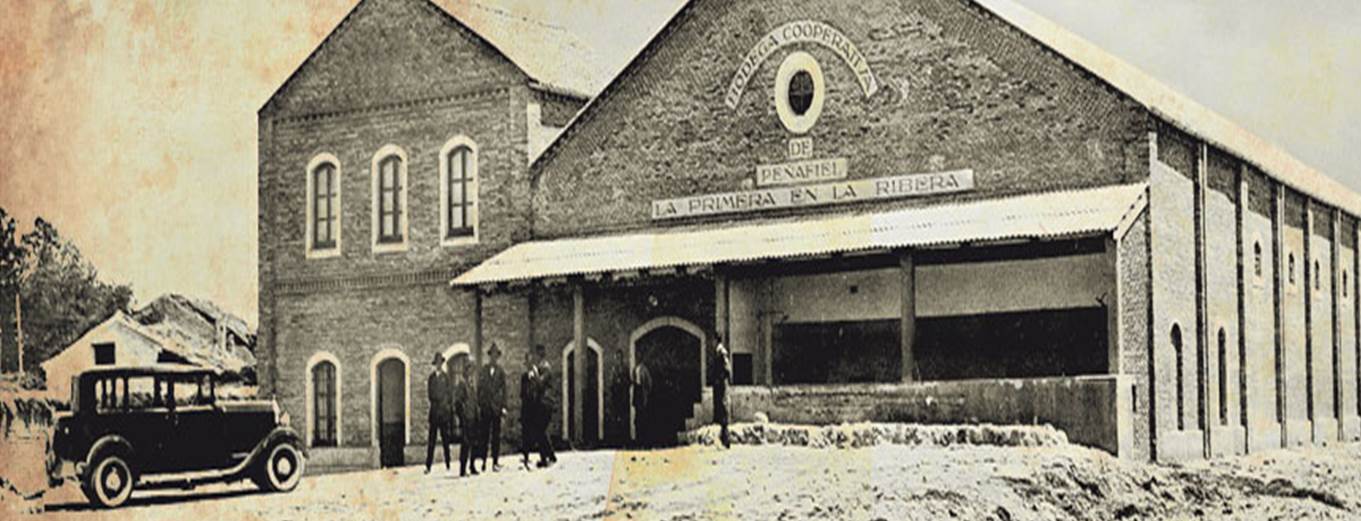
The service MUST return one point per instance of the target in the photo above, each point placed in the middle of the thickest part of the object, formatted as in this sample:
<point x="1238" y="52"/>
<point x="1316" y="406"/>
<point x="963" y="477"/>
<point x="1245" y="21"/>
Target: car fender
<point x="278" y="434"/>
<point x="110" y="443"/>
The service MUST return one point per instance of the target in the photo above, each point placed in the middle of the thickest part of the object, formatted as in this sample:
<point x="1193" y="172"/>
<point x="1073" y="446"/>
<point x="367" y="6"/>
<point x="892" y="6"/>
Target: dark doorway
<point x="391" y="412"/>
<point x="672" y="357"/>
<point x="1027" y="344"/>
<point x="591" y="431"/>
<point x="838" y="352"/>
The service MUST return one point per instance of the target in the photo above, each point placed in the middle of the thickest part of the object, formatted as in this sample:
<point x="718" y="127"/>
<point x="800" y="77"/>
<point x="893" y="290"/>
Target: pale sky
<point x="131" y="125"/>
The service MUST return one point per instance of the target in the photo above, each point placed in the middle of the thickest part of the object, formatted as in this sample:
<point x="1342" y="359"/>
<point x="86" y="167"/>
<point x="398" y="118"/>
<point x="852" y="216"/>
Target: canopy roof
<point x="1052" y="215"/>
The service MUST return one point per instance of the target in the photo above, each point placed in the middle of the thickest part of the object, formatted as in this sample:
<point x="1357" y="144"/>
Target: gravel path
<point x="795" y="483"/>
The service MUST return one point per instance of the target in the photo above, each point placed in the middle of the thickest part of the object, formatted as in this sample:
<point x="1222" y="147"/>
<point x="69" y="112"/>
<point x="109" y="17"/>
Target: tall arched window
<point x="324" y="405"/>
<point x="323" y="206"/>
<point x="1318" y="277"/>
<point x="389" y="199"/>
<point x="1181" y="377"/>
<point x="458" y="191"/>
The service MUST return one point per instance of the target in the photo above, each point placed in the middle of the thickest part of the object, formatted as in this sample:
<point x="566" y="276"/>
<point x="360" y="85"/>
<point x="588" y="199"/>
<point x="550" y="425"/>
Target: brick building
<point x="935" y="210"/>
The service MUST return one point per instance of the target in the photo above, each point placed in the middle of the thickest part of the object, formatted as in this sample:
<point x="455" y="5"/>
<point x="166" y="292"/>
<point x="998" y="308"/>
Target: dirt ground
<point x="795" y="483"/>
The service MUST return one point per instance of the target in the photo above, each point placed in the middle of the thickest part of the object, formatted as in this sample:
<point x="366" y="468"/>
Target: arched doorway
<point x="391" y="403"/>
<point x="672" y="349"/>
<point x="594" y="394"/>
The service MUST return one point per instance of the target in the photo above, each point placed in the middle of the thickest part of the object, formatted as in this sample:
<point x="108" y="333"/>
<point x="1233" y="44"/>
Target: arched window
<point x="458" y="191"/>
<point x="324" y="396"/>
<point x="323" y="206"/>
<point x="323" y="391"/>
<point x="389" y="199"/>
<point x="1223" y="379"/>
<point x="1318" y="277"/>
<point x="1181" y="377"/>
<point x="1344" y="283"/>
<point x="1257" y="259"/>
<point x="1290" y="269"/>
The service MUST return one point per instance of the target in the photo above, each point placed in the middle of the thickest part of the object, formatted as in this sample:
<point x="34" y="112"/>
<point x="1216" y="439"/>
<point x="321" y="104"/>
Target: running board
<point x="195" y="478"/>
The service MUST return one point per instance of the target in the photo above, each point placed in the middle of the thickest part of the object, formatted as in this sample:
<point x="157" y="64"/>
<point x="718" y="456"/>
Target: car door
<point x="198" y="424"/>
<point x="137" y="412"/>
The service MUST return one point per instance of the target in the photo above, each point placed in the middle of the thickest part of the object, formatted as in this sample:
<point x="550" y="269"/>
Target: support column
<point x="579" y="362"/>
<point x="1307" y="285"/>
<point x="1336" y="372"/>
<point x="722" y="309"/>
<point x="477" y="326"/>
<point x="908" y="325"/>
<point x="1112" y="304"/>
<point x="1278" y="245"/>
<point x="1203" y="402"/>
<point x="1244" y="262"/>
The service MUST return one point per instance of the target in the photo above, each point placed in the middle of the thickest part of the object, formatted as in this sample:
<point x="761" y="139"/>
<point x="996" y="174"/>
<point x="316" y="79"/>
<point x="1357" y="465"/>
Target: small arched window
<point x="1257" y="259"/>
<point x="1318" y="276"/>
<point x="324" y="405"/>
<point x="1290" y="269"/>
<point x="1344" y="283"/>
<point x="1181" y="376"/>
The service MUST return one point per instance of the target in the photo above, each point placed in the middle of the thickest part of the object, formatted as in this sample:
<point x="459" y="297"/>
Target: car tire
<point x="110" y="482"/>
<point x="281" y="469"/>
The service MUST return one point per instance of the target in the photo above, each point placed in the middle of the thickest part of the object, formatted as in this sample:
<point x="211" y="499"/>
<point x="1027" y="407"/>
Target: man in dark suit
<point x="529" y="408"/>
<point x="642" y="402"/>
<point x="439" y="390"/>
<point x="722" y="377"/>
<point x="544" y="374"/>
<point x="491" y="399"/>
<point x="466" y="408"/>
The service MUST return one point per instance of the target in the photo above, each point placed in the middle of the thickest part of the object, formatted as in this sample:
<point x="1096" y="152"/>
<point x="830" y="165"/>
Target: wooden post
<point x="19" y="328"/>
<point x="477" y="327"/>
<point x="579" y="373"/>
<point x="908" y="324"/>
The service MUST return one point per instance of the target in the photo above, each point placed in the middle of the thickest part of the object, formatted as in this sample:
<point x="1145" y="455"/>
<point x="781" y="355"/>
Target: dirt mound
<point x="850" y="435"/>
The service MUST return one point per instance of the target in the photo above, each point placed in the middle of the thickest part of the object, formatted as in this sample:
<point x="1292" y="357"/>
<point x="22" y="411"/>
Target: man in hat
<point x="491" y="398"/>
<point x="438" y="388"/>
<point x="529" y="408"/>
<point x="466" y="408"/>
<point x="544" y="372"/>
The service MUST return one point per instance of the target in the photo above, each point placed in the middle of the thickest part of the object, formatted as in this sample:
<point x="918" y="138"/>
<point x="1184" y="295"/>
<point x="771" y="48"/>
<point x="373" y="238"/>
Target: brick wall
<point x="959" y="89"/>
<point x="1221" y="271"/>
<point x="1134" y="263"/>
<point x="1294" y="331"/>
<point x="1259" y="310"/>
<point x="1171" y="215"/>
<point x="1321" y="325"/>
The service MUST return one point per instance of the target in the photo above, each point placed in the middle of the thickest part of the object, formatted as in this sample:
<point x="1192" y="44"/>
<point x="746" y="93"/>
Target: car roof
<point x="149" y="370"/>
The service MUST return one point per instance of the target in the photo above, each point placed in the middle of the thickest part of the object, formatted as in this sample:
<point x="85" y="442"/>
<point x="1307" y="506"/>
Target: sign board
<point x="801" y="172"/>
<point x="801" y="32"/>
<point x="842" y="192"/>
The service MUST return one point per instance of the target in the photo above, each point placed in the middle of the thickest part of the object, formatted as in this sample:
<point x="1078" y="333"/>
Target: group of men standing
<point x="475" y="398"/>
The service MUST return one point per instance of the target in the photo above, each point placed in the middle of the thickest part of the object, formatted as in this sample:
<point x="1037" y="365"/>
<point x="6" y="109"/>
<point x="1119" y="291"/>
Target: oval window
<point x="801" y="92"/>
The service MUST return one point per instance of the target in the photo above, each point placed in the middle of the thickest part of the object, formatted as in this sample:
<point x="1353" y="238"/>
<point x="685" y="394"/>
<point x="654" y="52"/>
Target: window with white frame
<point x="323" y="206"/>
<point x="389" y="199"/>
<point x="458" y="191"/>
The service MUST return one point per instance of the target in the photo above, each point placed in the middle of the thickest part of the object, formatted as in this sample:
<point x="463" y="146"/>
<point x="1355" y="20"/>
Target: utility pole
<point x="19" y="329"/>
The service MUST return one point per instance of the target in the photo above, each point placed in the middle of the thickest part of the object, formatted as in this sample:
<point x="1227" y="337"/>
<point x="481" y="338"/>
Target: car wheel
<point x="281" y="469"/>
<point x="109" y="484"/>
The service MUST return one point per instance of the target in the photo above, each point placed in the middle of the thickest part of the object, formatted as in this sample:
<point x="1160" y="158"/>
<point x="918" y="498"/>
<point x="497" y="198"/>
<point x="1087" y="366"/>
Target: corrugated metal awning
<point x="1034" y="216"/>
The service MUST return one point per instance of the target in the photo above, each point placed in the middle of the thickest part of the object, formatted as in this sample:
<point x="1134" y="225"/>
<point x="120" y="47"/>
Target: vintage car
<point x="163" y="427"/>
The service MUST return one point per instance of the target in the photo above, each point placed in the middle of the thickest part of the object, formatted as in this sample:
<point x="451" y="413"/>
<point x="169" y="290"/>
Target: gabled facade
<point x="932" y="211"/>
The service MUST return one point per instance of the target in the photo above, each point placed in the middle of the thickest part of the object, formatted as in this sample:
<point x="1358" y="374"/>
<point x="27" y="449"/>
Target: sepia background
<point x="131" y="125"/>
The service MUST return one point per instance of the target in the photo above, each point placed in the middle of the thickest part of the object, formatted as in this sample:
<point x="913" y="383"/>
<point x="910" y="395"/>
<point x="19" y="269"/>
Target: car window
<point x="144" y="392"/>
<point x="192" y="391"/>
<point x="110" y="394"/>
